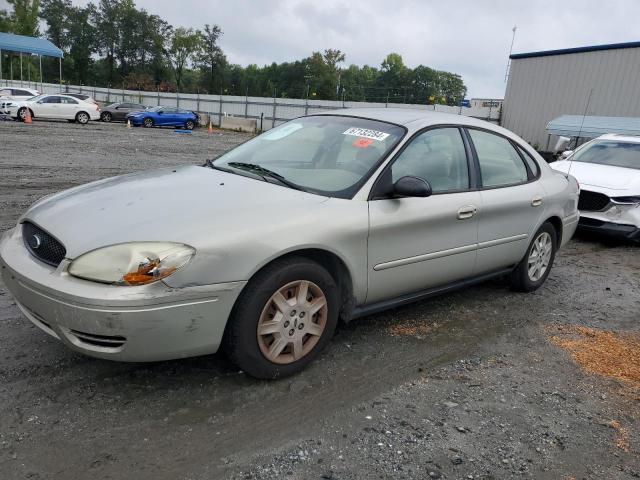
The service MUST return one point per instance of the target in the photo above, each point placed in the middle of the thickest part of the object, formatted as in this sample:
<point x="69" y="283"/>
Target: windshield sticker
<point x="366" y="133"/>
<point x="282" y="132"/>
<point x="362" y="142"/>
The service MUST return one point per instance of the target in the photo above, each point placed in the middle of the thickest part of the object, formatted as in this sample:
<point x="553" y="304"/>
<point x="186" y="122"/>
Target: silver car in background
<point x="262" y="250"/>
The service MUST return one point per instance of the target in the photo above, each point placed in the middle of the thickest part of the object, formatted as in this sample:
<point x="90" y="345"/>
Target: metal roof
<point x="23" y="44"/>
<point x="591" y="126"/>
<point x="566" y="51"/>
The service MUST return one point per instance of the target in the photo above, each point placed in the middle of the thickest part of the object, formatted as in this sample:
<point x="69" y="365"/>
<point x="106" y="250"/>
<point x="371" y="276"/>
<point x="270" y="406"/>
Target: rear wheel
<point x="283" y="319"/>
<point x="148" y="122"/>
<point x="82" y="118"/>
<point x="189" y="125"/>
<point x="106" y="117"/>
<point x="534" y="268"/>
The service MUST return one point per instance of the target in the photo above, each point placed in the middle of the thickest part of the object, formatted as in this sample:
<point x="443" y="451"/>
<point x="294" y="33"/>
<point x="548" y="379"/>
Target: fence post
<point x="273" y="117"/>
<point x="108" y="93"/>
<point x="386" y="105"/>
<point x="158" y="88"/>
<point x="123" y="99"/>
<point x="198" y="101"/>
<point x="220" y="108"/>
<point x="490" y="104"/>
<point x="177" y="99"/>
<point x="246" y="103"/>
<point x="306" y="102"/>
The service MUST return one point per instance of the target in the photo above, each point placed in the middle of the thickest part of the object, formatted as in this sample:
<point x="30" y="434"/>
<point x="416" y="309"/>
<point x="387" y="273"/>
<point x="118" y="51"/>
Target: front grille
<point x="103" y="341"/>
<point x="42" y="245"/>
<point x="592" y="201"/>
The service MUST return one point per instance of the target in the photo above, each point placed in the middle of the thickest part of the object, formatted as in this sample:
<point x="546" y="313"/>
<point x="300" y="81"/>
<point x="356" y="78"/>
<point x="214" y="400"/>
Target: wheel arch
<point x="334" y="264"/>
<point x="557" y="225"/>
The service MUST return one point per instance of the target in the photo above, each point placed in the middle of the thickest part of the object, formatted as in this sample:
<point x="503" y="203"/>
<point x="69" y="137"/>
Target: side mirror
<point x="566" y="154"/>
<point x="410" y="186"/>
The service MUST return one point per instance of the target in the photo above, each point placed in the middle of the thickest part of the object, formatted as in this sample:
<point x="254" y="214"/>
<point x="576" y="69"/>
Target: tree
<point x="106" y="20"/>
<point x="24" y="19"/>
<point x="210" y="58"/>
<point x="81" y="37"/>
<point x="56" y="14"/>
<point x="185" y="42"/>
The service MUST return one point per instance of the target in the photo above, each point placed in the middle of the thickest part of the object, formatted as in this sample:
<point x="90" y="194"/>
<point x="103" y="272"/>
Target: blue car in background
<point x="164" y="117"/>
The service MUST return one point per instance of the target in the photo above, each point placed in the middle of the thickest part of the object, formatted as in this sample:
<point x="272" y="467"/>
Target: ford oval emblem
<point x="35" y="241"/>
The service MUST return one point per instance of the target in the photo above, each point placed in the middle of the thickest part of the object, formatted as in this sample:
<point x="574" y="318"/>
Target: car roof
<point x="417" y="118"/>
<point x="620" y="138"/>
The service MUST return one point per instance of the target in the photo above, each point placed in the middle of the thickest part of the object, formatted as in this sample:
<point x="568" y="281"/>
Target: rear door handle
<point x="536" y="202"/>
<point x="467" y="211"/>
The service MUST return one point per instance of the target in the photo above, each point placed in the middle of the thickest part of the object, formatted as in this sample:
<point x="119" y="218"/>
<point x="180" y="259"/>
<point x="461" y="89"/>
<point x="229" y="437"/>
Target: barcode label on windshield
<point x="366" y="133"/>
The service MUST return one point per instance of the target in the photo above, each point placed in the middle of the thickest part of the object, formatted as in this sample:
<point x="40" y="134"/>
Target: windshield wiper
<point x="265" y="173"/>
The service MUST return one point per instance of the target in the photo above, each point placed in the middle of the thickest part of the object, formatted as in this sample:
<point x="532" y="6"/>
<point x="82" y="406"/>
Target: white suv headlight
<point x="136" y="263"/>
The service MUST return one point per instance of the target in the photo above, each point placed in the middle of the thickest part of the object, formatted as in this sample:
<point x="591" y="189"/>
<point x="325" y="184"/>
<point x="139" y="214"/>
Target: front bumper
<point x="610" y="229"/>
<point x="145" y="323"/>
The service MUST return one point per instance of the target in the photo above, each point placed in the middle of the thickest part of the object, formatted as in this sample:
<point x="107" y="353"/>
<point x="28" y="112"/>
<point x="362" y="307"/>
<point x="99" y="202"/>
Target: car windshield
<point x="610" y="152"/>
<point x="328" y="155"/>
<point x="36" y="98"/>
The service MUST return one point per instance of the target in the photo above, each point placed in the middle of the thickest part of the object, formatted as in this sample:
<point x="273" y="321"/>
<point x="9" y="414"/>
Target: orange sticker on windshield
<point x="362" y="142"/>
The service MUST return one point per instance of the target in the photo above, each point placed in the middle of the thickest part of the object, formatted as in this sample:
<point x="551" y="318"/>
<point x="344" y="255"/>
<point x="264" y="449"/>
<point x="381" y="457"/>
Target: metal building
<point x="602" y="80"/>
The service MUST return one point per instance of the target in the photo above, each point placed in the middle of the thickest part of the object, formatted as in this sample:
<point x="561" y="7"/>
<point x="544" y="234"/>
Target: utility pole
<point x="513" y="38"/>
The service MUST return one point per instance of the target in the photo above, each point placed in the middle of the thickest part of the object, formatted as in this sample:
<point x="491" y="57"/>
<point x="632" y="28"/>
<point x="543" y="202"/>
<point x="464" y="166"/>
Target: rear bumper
<point x="146" y="323"/>
<point x="611" y="229"/>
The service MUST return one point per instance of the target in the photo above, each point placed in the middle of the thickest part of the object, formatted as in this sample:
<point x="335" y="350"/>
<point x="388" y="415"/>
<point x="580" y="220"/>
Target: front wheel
<point x="22" y="114"/>
<point x="284" y="317"/>
<point x="534" y="268"/>
<point x="106" y="117"/>
<point x="148" y="122"/>
<point x="82" y="118"/>
<point x="189" y="125"/>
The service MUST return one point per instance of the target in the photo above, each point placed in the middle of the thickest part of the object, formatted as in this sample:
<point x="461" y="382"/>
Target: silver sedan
<point x="263" y="250"/>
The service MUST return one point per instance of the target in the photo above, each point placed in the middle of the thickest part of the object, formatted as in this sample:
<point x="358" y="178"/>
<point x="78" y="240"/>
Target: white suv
<point x="608" y="169"/>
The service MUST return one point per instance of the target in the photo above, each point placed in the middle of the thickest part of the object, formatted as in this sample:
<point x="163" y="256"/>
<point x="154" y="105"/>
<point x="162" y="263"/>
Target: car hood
<point x="604" y="177"/>
<point x="185" y="204"/>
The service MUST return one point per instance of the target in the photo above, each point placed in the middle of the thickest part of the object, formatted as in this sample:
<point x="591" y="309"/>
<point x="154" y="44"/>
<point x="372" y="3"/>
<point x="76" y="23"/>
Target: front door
<point x="420" y="243"/>
<point x="48" y="107"/>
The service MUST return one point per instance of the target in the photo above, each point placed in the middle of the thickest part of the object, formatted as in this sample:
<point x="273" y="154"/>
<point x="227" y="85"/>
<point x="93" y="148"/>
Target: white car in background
<point x="54" y="107"/>
<point x="10" y="93"/>
<point x="608" y="169"/>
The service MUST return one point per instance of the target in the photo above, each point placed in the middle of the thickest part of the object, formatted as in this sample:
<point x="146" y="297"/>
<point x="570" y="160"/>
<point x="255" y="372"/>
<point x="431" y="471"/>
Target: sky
<point x="467" y="37"/>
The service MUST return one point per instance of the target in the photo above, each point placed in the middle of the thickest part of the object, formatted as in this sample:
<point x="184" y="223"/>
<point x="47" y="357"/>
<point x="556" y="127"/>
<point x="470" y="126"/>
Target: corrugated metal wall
<point x="540" y="89"/>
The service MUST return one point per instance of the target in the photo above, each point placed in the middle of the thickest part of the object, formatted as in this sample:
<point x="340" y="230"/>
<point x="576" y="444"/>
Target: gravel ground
<point x="466" y="386"/>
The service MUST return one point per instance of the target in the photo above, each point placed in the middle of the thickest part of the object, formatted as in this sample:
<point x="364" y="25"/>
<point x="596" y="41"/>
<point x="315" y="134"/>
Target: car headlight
<point x="136" y="263"/>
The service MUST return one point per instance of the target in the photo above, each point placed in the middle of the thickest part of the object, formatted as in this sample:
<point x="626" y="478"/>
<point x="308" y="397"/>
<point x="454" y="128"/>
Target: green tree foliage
<point x="185" y="43"/>
<point x="115" y="43"/>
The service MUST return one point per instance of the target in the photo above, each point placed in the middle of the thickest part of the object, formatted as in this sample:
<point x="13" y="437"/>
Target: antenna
<point x="584" y="116"/>
<point x="513" y="39"/>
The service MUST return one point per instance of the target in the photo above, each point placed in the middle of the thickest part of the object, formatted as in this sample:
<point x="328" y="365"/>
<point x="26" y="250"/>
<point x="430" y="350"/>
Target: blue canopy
<point x="591" y="126"/>
<point x="20" y="43"/>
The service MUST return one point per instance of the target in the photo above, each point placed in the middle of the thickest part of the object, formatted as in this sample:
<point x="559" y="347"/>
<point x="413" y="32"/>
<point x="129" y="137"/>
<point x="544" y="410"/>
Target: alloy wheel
<point x="292" y="322"/>
<point x="83" y="118"/>
<point x="539" y="256"/>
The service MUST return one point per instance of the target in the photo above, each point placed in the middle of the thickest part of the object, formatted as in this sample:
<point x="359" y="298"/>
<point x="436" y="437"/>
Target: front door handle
<point x="467" y="211"/>
<point x="536" y="202"/>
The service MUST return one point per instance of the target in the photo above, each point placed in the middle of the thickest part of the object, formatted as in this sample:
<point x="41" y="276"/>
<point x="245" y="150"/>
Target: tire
<point x="189" y="125"/>
<point x="148" y="122"/>
<point x="534" y="268"/>
<point x="22" y="113"/>
<point x="82" y="118"/>
<point x="256" y="307"/>
<point x="106" y="117"/>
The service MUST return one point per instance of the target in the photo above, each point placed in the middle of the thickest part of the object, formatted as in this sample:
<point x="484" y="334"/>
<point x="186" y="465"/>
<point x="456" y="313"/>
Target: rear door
<point x="512" y="200"/>
<point x="69" y="107"/>
<point x="419" y="243"/>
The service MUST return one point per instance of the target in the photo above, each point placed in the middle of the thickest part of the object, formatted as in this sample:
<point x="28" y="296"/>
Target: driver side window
<point x="439" y="157"/>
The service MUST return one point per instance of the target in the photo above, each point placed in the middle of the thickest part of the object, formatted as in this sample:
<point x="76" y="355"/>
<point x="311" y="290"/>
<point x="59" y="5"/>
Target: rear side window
<point x="531" y="163"/>
<point x="68" y="100"/>
<point x="500" y="163"/>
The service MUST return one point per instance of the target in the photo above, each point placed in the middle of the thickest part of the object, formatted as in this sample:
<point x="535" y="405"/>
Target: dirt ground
<point x="471" y="385"/>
